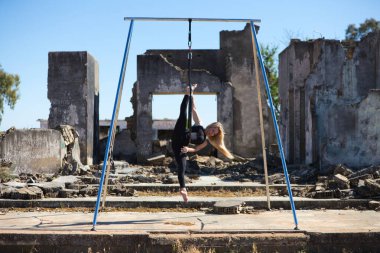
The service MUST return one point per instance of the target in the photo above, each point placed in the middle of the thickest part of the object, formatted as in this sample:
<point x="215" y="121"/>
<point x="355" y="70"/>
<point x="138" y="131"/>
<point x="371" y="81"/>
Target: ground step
<point x="216" y="187"/>
<point x="194" y="202"/>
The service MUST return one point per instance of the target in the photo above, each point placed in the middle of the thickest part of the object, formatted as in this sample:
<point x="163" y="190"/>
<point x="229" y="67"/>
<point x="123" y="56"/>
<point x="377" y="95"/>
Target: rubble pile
<point x="342" y="182"/>
<point x="71" y="162"/>
<point x="10" y="130"/>
<point x="338" y="182"/>
<point x="5" y="168"/>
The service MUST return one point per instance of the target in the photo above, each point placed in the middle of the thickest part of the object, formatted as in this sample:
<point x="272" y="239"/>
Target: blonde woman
<point x="213" y="134"/>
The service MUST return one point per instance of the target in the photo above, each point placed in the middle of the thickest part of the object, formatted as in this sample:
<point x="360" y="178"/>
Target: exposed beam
<point x="182" y="93"/>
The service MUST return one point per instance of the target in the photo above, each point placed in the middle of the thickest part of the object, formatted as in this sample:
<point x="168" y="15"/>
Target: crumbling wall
<point x="73" y="89"/>
<point x="236" y="47"/>
<point x="228" y="72"/>
<point x="211" y="60"/>
<point x="123" y="149"/>
<point x="156" y="75"/>
<point x="352" y="131"/>
<point x="33" y="150"/>
<point x="329" y="95"/>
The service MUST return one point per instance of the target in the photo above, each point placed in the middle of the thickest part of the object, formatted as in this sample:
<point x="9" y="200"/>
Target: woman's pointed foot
<point x="193" y="86"/>
<point x="183" y="193"/>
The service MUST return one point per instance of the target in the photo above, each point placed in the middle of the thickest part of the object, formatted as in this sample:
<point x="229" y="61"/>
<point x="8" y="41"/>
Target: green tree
<point x="9" y="90"/>
<point x="354" y="33"/>
<point x="269" y="54"/>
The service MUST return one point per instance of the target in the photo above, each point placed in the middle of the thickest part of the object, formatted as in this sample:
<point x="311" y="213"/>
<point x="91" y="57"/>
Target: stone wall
<point x="73" y="90"/>
<point x="156" y="75"/>
<point x="33" y="150"/>
<point x="228" y="72"/>
<point x="330" y="102"/>
<point x="236" y="47"/>
<point x="124" y="147"/>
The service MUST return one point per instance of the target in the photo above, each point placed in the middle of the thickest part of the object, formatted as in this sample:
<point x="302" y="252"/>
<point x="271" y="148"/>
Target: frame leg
<point x="113" y="122"/>
<point x="270" y="100"/>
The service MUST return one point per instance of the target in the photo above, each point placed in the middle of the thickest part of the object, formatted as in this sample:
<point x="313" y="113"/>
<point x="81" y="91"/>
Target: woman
<point x="213" y="134"/>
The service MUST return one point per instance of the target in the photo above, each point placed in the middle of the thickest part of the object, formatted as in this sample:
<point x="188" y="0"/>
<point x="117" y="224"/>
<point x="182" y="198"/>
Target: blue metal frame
<point x="110" y="133"/>
<point x="120" y="88"/>
<point x="275" y="125"/>
<point x="239" y="20"/>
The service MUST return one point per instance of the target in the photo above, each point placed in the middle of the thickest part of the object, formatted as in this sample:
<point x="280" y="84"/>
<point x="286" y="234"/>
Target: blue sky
<point x="29" y="30"/>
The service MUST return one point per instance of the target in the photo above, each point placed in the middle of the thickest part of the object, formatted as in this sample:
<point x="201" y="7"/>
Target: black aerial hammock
<point x="189" y="57"/>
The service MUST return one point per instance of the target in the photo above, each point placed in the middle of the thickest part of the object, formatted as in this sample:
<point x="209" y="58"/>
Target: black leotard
<point x="182" y="137"/>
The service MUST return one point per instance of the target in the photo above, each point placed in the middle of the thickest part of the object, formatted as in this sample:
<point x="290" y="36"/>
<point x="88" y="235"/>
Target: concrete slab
<point x="265" y="231"/>
<point x="210" y="180"/>
<point x="326" y="221"/>
<point x="121" y="171"/>
<point x="15" y="184"/>
<point x="194" y="202"/>
<point x="66" y="179"/>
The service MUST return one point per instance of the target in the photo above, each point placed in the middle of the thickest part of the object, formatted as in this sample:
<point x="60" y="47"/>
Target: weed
<point x="5" y="174"/>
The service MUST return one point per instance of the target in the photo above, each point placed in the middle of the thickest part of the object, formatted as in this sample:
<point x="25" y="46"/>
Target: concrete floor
<point x="323" y="221"/>
<point x="329" y="226"/>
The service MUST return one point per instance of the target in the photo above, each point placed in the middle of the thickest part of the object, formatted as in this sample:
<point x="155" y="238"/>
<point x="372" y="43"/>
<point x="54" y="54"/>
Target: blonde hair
<point x="217" y="141"/>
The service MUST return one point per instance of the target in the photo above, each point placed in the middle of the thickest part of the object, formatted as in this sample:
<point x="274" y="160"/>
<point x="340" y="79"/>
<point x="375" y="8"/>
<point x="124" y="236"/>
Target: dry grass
<point x="179" y="223"/>
<point x="5" y="174"/>
<point x="218" y="193"/>
<point x="178" y="247"/>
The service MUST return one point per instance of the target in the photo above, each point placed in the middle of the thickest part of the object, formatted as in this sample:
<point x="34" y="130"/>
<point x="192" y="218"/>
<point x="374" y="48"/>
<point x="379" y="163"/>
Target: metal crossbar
<point x="194" y="19"/>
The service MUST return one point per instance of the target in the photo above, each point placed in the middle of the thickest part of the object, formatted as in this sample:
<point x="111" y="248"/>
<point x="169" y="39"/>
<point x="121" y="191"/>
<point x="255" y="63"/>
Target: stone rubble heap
<point x="340" y="182"/>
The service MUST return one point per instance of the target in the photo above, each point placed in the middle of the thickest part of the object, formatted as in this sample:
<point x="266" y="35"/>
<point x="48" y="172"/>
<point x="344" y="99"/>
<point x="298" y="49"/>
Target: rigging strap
<point x="189" y="58"/>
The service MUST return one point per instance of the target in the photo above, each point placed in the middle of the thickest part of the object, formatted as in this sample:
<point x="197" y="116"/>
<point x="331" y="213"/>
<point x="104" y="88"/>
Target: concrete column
<point x="284" y="82"/>
<point x="236" y="47"/>
<point x="297" y="125"/>
<point x="73" y="90"/>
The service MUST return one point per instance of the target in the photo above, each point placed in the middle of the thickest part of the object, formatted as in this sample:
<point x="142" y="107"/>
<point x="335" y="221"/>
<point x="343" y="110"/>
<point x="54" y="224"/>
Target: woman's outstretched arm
<point x="186" y="149"/>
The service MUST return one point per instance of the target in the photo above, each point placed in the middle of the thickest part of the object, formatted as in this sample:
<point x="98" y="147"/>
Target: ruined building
<point x="330" y="101"/>
<point x="73" y="91"/>
<point x="227" y="72"/>
<point x="329" y="95"/>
